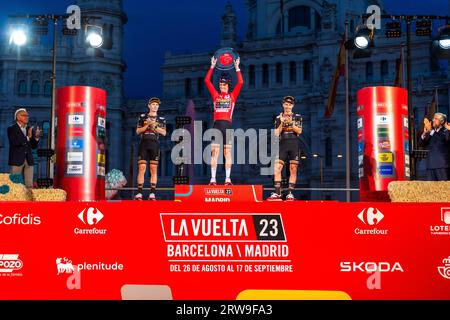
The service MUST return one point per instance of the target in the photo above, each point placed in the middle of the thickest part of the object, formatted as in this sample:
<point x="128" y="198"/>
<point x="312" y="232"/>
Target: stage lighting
<point x="363" y="38"/>
<point x="424" y="28"/>
<point x="393" y="29"/>
<point x="362" y="43"/>
<point x="18" y="37"/>
<point x="441" y="44"/>
<point x="94" y="36"/>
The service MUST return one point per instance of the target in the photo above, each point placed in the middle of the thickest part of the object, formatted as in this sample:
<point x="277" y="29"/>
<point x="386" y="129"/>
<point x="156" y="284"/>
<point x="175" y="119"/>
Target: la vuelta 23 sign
<point x="226" y="243"/>
<point x="268" y="250"/>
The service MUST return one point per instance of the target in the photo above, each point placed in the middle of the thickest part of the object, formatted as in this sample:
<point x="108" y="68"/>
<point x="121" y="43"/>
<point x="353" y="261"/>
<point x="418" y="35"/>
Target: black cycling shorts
<point x="149" y="150"/>
<point x="289" y="151"/>
<point x="223" y="126"/>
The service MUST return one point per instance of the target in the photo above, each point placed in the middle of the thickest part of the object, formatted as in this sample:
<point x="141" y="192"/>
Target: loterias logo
<point x="442" y="229"/>
<point x="444" y="270"/>
<point x="371" y="217"/>
<point x="20" y="219"/>
<point x="365" y="267"/>
<point x="10" y="264"/>
<point x="91" y="217"/>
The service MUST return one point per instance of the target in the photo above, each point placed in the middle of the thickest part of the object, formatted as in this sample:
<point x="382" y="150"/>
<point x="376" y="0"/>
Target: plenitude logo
<point x="371" y="217"/>
<point x="90" y="217"/>
<point x="66" y="266"/>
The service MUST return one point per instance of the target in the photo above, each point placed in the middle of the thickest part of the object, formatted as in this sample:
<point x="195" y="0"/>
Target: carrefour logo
<point x="90" y="216"/>
<point x="371" y="217"/>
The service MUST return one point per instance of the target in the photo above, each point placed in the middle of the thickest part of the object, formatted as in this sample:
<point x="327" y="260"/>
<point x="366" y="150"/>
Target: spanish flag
<point x="340" y="71"/>
<point x="433" y="106"/>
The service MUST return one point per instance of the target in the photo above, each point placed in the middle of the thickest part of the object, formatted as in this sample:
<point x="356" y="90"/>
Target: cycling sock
<point x="291" y="187"/>
<point x="153" y="188"/>
<point x="140" y="186"/>
<point x="213" y="173"/>
<point x="228" y="172"/>
<point x="278" y="187"/>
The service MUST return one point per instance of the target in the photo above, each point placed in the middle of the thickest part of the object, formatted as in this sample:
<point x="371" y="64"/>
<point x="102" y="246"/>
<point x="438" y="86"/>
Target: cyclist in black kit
<point x="150" y="127"/>
<point x="288" y="126"/>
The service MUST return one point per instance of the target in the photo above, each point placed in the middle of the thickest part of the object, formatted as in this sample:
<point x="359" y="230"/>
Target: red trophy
<point x="225" y="58"/>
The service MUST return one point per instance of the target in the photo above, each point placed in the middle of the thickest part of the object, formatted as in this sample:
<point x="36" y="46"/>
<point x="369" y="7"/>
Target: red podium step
<point x="218" y="194"/>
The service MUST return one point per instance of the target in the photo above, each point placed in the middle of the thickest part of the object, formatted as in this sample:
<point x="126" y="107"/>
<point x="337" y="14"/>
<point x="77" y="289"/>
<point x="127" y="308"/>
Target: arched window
<point x="35" y="88"/>
<point x="318" y="20"/>
<point x="300" y="17"/>
<point x="369" y="71"/>
<point x="384" y="69"/>
<point x="22" y="87"/>
<point x="292" y="71"/>
<point x="265" y="74"/>
<point x="307" y="70"/>
<point x="251" y="76"/>
<point x="48" y="88"/>
<point x="279" y="73"/>
<point x="187" y="87"/>
<point x="200" y="84"/>
<point x="328" y="152"/>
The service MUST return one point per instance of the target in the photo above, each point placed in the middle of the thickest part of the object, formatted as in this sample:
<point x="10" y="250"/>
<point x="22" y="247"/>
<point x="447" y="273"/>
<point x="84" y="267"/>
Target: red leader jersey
<point x="224" y="102"/>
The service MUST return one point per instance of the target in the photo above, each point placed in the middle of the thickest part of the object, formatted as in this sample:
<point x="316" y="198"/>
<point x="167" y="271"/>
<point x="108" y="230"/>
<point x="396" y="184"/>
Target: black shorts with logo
<point x="289" y="150"/>
<point x="223" y="126"/>
<point x="149" y="150"/>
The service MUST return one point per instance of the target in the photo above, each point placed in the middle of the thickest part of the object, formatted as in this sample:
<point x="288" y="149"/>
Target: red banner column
<point x="383" y="140"/>
<point x="81" y="148"/>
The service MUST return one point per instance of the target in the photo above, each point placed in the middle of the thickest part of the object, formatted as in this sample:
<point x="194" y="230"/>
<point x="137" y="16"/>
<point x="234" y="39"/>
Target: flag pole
<point x="403" y="65"/>
<point x="436" y="92"/>
<point x="347" y="120"/>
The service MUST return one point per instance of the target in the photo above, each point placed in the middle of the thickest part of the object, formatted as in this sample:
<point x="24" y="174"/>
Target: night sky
<point x="155" y="27"/>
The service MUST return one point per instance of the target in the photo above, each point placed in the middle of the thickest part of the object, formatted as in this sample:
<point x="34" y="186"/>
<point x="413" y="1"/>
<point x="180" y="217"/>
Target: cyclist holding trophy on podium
<point x="288" y="127"/>
<point x="224" y="104"/>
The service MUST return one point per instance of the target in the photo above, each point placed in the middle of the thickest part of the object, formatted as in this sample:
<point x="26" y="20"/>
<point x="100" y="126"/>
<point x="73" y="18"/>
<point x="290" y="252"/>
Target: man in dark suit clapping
<point x="22" y="140"/>
<point x="436" y="139"/>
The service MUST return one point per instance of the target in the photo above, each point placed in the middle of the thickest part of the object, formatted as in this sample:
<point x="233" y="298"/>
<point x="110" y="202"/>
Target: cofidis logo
<point x="20" y="219"/>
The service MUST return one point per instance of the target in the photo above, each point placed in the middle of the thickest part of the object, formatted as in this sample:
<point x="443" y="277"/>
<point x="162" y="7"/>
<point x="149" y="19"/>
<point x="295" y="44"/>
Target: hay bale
<point x="419" y="191"/>
<point x="11" y="188"/>
<point x="48" y="195"/>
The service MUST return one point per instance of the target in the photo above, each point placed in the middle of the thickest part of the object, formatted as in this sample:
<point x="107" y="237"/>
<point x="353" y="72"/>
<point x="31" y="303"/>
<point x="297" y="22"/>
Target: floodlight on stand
<point x="94" y="36"/>
<point x="18" y="36"/>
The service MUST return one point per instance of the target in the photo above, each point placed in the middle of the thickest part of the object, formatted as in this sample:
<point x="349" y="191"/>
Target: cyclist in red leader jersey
<point x="224" y="103"/>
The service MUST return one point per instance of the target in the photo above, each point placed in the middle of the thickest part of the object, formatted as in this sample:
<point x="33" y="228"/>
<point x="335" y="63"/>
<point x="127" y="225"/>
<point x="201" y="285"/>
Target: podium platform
<point x="218" y="194"/>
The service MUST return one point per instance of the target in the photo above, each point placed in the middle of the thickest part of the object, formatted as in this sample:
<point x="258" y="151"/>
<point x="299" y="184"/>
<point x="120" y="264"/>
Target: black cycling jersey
<point x="287" y="131"/>
<point x="151" y="133"/>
